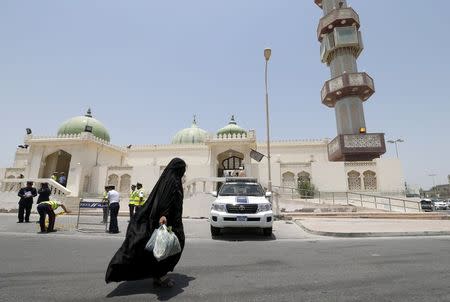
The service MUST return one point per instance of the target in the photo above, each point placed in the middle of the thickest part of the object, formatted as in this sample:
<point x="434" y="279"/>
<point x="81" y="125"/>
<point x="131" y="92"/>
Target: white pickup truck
<point x="241" y="203"/>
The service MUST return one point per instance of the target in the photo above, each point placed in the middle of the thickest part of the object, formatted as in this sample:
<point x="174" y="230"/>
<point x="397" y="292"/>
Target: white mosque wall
<point x="297" y="151"/>
<point x="21" y="158"/>
<point x="93" y="162"/>
<point x="35" y="161"/>
<point x="148" y="162"/>
<point x="90" y="164"/>
<point x="255" y="170"/>
<point x="161" y="155"/>
<point x="98" y="180"/>
<point x="263" y="173"/>
<point x="146" y="175"/>
<point x="390" y="175"/>
<point x="329" y="176"/>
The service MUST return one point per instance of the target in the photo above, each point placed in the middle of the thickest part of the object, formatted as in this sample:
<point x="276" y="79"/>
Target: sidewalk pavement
<point x="353" y="227"/>
<point x="193" y="228"/>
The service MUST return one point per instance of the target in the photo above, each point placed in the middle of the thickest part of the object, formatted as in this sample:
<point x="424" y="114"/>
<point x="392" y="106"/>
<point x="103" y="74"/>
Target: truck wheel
<point x="215" y="231"/>
<point x="267" y="232"/>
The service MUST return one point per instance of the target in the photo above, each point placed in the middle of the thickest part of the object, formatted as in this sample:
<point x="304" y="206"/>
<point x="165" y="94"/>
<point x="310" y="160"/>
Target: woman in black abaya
<point x="163" y="206"/>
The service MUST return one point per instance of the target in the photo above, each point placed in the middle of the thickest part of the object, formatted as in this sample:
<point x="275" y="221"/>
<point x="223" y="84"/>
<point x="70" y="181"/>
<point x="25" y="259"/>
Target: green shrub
<point x="305" y="189"/>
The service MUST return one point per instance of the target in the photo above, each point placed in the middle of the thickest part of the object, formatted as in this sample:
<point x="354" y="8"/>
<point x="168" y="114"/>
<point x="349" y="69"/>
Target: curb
<point x="372" y="234"/>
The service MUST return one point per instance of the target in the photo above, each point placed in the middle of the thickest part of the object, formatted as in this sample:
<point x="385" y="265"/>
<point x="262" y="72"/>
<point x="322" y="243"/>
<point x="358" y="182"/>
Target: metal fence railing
<point x="366" y="200"/>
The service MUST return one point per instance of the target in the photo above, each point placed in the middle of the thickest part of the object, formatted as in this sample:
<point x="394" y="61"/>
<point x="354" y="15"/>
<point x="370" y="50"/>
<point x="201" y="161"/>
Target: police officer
<point x="105" y="205"/>
<point x="114" y="205"/>
<point x="26" y="201"/>
<point x="48" y="208"/>
<point x="140" y="196"/>
<point x="133" y="202"/>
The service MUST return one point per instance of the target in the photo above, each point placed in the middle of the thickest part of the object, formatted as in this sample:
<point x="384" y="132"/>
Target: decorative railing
<point x="199" y="185"/>
<point x="7" y="185"/>
<point x="84" y="136"/>
<point x="337" y="17"/>
<point x="9" y="189"/>
<point x="250" y="134"/>
<point x="312" y="141"/>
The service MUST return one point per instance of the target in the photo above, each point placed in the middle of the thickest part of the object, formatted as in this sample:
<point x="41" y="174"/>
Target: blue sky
<point x="145" y="67"/>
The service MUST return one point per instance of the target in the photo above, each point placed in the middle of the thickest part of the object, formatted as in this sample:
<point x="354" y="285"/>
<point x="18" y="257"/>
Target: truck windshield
<point x="241" y="189"/>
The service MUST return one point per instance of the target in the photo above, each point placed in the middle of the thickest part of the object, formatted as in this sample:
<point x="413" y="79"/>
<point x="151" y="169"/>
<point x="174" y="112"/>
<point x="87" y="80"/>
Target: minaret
<point x="341" y="43"/>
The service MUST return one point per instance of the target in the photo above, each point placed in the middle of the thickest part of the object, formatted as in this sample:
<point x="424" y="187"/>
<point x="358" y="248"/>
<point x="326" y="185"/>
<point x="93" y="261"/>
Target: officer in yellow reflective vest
<point x="105" y="205"/>
<point x="133" y="202"/>
<point x="48" y="208"/>
<point x="140" y="196"/>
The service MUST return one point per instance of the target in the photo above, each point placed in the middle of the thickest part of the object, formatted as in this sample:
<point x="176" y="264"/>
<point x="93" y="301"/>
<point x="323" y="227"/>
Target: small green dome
<point x="77" y="125"/>
<point x="192" y="135"/>
<point x="231" y="128"/>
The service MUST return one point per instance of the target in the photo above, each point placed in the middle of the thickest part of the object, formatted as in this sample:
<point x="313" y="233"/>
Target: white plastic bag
<point x="151" y="242"/>
<point x="165" y="244"/>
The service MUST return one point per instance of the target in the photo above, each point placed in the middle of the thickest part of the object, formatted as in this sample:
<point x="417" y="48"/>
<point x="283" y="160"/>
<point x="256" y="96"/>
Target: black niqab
<point x="132" y="261"/>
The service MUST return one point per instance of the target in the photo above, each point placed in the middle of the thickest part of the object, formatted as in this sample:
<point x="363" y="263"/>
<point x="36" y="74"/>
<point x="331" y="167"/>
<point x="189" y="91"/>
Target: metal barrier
<point x="387" y="203"/>
<point x="90" y="210"/>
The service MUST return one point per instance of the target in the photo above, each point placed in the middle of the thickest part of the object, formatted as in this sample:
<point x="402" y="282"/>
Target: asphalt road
<point x="238" y="267"/>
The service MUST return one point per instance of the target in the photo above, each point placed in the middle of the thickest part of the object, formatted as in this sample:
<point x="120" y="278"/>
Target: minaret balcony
<point x="348" y="84"/>
<point x="357" y="147"/>
<point x="337" y="18"/>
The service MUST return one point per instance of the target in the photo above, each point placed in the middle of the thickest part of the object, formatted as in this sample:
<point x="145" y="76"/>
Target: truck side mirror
<point x="268" y="194"/>
<point x="214" y="193"/>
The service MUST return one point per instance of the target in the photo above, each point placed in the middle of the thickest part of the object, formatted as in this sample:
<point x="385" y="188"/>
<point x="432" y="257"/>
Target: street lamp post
<point x="396" y="142"/>
<point x="267" y="54"/>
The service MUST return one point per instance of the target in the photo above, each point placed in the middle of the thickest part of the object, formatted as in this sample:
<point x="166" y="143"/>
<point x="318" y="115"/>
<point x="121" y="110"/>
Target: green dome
<point x="192" y="135"/>
<point x="77" y="125"/>
<point x="231" y="128"/>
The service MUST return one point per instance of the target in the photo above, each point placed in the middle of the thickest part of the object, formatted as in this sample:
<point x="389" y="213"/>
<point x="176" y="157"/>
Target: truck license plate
<point x="241" y="218"/>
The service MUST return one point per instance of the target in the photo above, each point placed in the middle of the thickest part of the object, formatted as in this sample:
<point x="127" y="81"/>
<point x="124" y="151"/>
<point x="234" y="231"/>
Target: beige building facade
<point x="81" y="150"/>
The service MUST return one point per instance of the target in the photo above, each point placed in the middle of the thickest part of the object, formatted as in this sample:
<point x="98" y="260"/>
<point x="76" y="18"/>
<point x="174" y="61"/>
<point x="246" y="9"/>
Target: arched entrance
<point x="229" y="162"/>
<point x="57" y="163"/>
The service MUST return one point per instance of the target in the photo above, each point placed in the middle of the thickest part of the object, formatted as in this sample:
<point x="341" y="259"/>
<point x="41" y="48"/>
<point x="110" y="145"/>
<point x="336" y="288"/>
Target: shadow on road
<point x="243" y="234"/>
<point x="146" y="286"/>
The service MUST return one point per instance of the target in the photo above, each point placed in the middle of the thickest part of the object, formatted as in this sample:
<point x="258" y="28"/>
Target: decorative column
<point x="341" y="44"/>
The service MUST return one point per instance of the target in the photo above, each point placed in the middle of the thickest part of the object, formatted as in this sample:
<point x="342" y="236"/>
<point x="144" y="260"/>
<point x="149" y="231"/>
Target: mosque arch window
<point x="125" y="183"/>
<point x="288" y="179"/>
<point x="303" y="177"/>
<point x="354" y="181"/>
<point x="370" y="180"/>
<point x="113" y="180"/>
<point x="232" y="163"/>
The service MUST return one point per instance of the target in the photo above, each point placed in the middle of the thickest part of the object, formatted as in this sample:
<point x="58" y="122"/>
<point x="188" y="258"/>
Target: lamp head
<point x="267" y="53"/>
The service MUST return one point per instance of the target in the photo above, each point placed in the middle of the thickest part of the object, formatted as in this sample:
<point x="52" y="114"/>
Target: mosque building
<point x="82" y="150"/>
